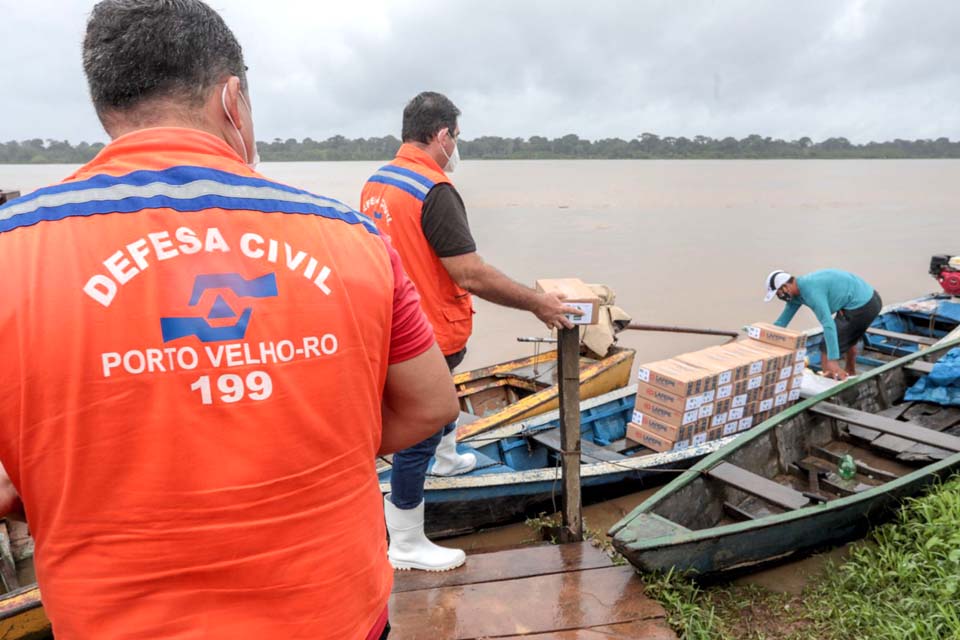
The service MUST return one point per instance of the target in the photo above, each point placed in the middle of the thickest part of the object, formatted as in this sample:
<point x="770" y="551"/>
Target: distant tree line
<point x="644" y="146"/>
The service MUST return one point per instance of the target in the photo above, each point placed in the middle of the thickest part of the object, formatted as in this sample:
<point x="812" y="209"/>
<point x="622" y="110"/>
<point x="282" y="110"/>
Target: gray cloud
<point x="868" y="70"/>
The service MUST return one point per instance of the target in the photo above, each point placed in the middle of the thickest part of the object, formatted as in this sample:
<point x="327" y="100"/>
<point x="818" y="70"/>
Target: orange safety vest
<point x="393" y="198"/>
<point x="193" y="365"/>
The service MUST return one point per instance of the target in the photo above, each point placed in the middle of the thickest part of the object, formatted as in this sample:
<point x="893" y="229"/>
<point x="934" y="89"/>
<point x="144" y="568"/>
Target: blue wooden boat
<point x="777" y="490"/>
<point x="901" y="329"/>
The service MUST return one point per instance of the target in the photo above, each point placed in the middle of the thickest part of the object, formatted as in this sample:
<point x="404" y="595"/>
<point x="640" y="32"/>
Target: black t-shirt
<point x="444" y="222"/>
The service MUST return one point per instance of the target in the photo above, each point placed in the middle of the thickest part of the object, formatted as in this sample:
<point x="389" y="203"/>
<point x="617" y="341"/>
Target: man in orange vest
<point x="200" y="364"/>
<point x="414" y="202"/>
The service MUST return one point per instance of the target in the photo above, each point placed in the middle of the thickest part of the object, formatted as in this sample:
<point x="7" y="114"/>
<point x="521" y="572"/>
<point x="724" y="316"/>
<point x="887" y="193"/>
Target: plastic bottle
<point x="847" y="467"/>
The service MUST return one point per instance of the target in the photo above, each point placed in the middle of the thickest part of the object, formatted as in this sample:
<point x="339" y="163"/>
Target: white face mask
<point x="453" y="159"/>
<point x="243" y="145"/>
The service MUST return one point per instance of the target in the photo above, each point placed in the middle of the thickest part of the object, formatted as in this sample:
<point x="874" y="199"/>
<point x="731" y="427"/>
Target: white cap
<point x="775" y="280"/>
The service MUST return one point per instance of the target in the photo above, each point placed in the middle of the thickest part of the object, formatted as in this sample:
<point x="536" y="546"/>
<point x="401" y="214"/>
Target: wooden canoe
<point x="776" y="491"/>
<point x="519" y="389"/>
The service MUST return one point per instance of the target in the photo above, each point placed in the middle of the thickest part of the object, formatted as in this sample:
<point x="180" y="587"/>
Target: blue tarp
<point x="942" y="385"/>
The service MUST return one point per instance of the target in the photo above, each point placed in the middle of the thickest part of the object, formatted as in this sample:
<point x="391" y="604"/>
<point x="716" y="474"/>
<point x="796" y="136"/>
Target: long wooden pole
<point x="569" y="363"/>
<point x="669" y="329"/>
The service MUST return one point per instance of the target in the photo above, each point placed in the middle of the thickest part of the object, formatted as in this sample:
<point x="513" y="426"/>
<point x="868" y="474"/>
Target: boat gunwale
<point x="840" y="503"/>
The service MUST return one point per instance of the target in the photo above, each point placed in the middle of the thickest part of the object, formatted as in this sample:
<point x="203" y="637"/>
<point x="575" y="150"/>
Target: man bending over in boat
<point x="843" y="303"/>
<point x="414" y="202"/>
<point x="190" y="421"/>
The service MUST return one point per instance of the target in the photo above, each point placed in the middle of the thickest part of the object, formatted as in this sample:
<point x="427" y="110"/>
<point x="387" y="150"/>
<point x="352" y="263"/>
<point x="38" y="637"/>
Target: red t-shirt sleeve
<point x="412" y="333"/>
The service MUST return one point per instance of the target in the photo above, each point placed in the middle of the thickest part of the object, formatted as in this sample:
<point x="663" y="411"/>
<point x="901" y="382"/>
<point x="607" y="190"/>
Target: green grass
<point x="905" y="584"/>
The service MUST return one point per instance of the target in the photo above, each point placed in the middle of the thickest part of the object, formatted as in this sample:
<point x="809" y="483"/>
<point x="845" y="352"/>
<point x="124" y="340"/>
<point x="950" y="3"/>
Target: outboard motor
<point x="946" y="270"/>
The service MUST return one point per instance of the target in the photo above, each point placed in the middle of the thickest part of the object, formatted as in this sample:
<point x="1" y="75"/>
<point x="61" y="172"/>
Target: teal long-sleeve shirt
<point x="826" y="292"/>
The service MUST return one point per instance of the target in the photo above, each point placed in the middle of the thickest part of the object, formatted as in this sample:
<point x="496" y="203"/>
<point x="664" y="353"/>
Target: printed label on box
<point x="725" y="378"/>
<point x="794" y="395"/>
<point x="766" y="405"/>
<point x="786" y="373"/>
<point x="681" y="444"/>
<point x="693" y="402"/>
<point x="753" y="332"/>
<point x="699" y="439"/>
<point x="780" y="400"/>
<point x="637" y="417"/>
<point x="706" y="411"/>
<point x="798" y="368"/>
<point x="586" y="308"/>
<point x="740" y="400"/>
<point x="781" y="387"/>
<point x="735" y="414"/>
<point x="756" y="367"/>
<point x="708" y="396"/>
<point x="730" y="429"/>
<point x="691" y="416"/>
<point x="643" y="374"/>
<point x="725" y="391"/>
<point x="755" y="383"/>
<point x="718" y="420"/>
<point x="745" y="423"/>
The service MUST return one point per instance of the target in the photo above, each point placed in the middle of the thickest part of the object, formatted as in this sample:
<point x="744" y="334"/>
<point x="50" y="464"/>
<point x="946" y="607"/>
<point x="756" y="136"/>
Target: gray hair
<point x="136" y="51"/>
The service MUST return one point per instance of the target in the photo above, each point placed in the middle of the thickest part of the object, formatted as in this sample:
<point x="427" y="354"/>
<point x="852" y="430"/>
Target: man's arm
<point x="418" y="400"/>
<point x="479" y="278"/>
<point x="10" y="505"/>
<point x="788" y="312"/>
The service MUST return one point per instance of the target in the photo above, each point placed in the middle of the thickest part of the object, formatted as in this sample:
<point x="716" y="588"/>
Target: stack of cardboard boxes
<point x="719" y="391"/>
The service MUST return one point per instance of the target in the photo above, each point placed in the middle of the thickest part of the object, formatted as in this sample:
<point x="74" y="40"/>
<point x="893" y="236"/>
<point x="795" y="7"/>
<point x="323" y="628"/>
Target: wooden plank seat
<point x="902" y="337"/>
<point x="589" y="451"/>
<point x="920" y="366"/>
<point x="886" y="425"/>
<point x="759" y="486"/>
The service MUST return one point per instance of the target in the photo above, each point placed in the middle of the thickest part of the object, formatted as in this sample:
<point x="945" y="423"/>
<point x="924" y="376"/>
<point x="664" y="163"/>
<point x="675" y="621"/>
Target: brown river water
<point x="685" y="242"/>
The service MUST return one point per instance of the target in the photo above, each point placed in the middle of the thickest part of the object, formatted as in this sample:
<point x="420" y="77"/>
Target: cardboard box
<point x="653" y="441"/>
<point x="714" y="360"/>
<point x="663" y="429"/>
<point x="715" y="434"/>
<point x="677" y="401"/>
<point x="777" y="336"/>
<point x="745" y="398"/>
<point x="576" y="294"/>
<point x="745" y="423"/>
<point x="774" y="357"/>
<point x="678" y="377"/>
<point x="669" y="415"/>
<point x="752" y="361"/>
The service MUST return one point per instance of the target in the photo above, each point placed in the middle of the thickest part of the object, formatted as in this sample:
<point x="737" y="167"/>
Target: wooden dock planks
<point x="568" y="591"/>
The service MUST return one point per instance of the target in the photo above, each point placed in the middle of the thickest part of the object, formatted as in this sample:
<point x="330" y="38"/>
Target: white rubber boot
<point x="447" y="462"/>
<point x="409" y="547"/>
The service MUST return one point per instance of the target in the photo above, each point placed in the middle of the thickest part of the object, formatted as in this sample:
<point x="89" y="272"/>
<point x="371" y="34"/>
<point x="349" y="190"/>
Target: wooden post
<point x="568" y="355"/>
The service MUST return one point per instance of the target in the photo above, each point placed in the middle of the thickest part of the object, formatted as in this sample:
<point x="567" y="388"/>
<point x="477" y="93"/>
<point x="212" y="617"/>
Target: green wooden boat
<point x="779" y="490"/>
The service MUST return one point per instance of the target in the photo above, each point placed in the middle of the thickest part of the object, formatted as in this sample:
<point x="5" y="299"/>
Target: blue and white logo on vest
<point x="220" y="310"/>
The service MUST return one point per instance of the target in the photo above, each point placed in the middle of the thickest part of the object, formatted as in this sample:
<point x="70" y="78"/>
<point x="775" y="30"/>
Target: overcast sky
<point x="864" y="69"/>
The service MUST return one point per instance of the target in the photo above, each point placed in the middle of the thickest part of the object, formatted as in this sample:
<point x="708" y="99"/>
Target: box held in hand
<point x="575" y="294"/>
